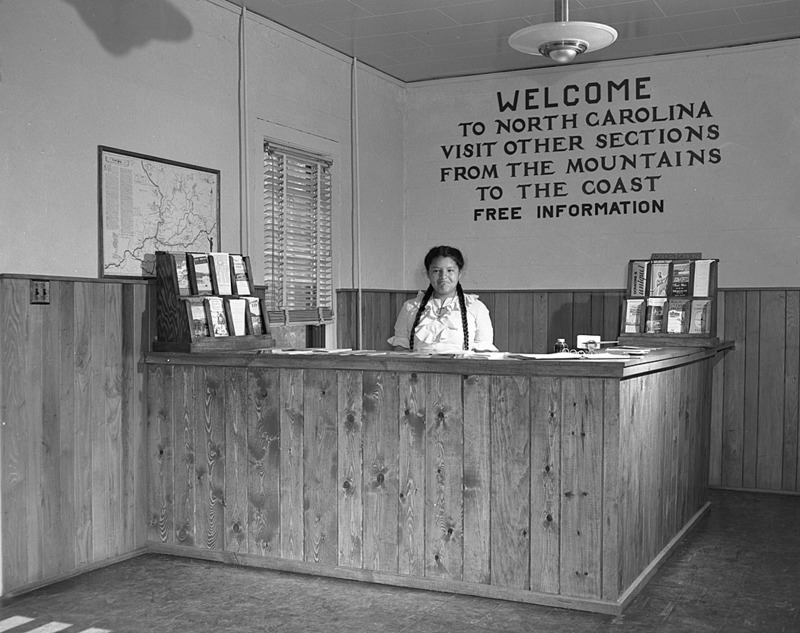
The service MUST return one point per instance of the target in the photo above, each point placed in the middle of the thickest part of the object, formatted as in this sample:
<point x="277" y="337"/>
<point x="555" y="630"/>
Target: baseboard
<point x="388" y="578"/>
<point x="760" y="491"/>
<point x="642" y="579"/>
<point x="78" y="571"/>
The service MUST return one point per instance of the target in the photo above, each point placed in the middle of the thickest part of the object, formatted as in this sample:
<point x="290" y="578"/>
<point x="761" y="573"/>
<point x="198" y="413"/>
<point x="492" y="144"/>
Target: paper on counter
<point x="482" y="355"/>
<point x="553" y="356"/>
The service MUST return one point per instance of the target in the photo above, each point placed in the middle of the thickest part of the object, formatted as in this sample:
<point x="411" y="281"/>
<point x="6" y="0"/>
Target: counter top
<point x="603" y="365"/>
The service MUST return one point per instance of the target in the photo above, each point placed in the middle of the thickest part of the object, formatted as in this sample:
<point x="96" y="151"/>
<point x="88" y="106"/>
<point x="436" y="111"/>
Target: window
<point x="297" y="236"/>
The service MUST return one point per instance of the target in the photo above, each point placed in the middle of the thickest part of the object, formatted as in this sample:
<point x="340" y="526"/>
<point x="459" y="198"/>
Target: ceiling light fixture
<point x="562" y="40"/>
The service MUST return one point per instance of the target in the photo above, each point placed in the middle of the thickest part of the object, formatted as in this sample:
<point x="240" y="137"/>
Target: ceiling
<point x="418" y="40"/>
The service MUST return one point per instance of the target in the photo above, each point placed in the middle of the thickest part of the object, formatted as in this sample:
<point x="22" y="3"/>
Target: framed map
<point x="150" y="204"/>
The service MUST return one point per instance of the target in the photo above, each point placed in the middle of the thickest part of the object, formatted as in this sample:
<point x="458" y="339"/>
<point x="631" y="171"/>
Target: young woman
<point x="443" y="318"/>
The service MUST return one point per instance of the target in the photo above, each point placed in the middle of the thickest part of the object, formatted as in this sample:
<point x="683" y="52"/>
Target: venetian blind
<point x="297" y="235"/>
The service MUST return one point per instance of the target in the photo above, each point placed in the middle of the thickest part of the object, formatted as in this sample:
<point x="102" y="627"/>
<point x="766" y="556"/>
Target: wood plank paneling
<point x="131" y="405"/>
<point x="54" y="536"/>
<point x="381" y="437"/>
<point x="755" y="434"/>
<point x="184" y="523"/>
<point x="347" y="320"/>
<point x="612" y="492"/>
<point x="510" y="460"/>
<point x="320" y="450"/>
<point x="34" y="398"/>
<point x="135" y="343"/>
<point x="262" y="457"/>
<point x="790" y="480"/>
<point x="663" y="467"/>
<point x="635" y="489"/>
<point x="160" y="422"/>
<point x="527" y="322"/>
<point x="111" y="443"/>
<point x="612" y="314"/>
<point x="500" y="482"/>
<point x="703" y="412"/>
<point x="718" y="388"/>
<point x="411" y="472"/>
<point x="670" y="454"/>
<point x="628" y="485"/>
<point x="292" y="471"/>
<point x="95" y="429"/>
<point x="520" y="323"/>
<point x="581" y="486"/>
<point x="71" y="374"/>
<point x="561" y="311"/>
<point x="477" y="479"/>
<point x="734" y="393"/>
<point x="350" y="470"/>
<point x="597" y="322"/>
<point x="540" y="322"/>
<point x="680" y="409"/>
<point x="504" y="332"/>
<point x="238" y="401"/>
<point x="444" y="505"/>
<point x="384" y="318"/>
<point x="771" y="389"/>
<point x="545" y="484"/>
<point x="582" y="308"/>
<point x="85" y="418"/>
<point x="752" y="354"/>
<point x="66" y="422"/>
<point x="499" y="320"/>
<point x="209" y="457"/>
<point x="18" y="483"/>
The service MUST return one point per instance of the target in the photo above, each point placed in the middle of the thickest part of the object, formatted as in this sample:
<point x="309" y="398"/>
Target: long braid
<point x="462" y="304"/>
<point x="425" y="298"/>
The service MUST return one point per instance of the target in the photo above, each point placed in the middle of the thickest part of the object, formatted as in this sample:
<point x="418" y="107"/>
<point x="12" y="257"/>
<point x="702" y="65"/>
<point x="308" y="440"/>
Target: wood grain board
<point x="567" y="487"/>
<point x="755" y="425"/>
<point x="72" y="406"/>
<point x="78" y="441"/>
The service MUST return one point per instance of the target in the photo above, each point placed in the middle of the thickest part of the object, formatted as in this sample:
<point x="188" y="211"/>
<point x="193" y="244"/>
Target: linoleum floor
<point x="738" y="570"/>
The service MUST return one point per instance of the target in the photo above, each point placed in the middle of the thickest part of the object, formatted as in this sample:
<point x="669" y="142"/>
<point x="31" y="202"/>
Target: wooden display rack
<point x="671" y="299"/>
<point x="188" y="306"/>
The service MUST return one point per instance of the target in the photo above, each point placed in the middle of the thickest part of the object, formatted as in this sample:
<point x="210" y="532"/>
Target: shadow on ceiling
<point x="123" y="26"/>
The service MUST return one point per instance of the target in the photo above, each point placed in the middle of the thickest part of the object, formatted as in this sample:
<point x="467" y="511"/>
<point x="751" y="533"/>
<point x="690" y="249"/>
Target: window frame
<point x="296" y="218"/>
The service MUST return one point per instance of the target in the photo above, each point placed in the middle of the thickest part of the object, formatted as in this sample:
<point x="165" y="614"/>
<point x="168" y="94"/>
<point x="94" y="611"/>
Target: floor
<point x="738" y="570"/>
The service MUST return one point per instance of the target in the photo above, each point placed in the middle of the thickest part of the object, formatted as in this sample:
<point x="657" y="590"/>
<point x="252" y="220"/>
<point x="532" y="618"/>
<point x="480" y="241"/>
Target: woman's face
<point x="444" y="274"/>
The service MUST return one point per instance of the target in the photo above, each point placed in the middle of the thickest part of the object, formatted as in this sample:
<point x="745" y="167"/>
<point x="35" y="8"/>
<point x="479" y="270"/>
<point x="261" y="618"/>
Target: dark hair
<point x="458" y="258"/>
<point x="444" y="251"/>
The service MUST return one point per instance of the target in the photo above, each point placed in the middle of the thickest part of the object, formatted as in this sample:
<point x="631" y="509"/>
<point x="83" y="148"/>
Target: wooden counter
<point x="561" y="483"/>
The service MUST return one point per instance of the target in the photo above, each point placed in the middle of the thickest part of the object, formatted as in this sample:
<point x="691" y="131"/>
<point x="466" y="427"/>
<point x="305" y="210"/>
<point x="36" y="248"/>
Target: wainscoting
<point x="524" y="321"/>
<point x="73" y="481"/>
<point x="754" y="434"/>
<point x="72" y="441"/>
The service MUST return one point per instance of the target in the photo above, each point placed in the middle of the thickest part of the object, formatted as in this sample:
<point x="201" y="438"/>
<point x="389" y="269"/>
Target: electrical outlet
<point x="40" y="291"/>
<point x="584" y="340"/>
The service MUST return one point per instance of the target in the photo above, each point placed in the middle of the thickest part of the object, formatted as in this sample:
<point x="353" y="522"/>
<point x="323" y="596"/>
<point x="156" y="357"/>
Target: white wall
<point x="742" y="210"/>
<point x="302" y="93"/>
<point x="381" y="134"/>
<point x="63" y="94"/>
<point x="161" y="77"/>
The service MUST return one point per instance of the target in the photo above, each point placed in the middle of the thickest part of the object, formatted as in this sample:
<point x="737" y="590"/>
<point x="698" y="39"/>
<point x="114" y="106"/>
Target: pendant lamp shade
<point x="562" y="40"/>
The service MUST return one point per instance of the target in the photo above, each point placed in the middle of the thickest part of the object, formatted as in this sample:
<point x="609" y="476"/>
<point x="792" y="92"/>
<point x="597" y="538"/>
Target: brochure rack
<point x="670" y="300"/>
<point x="192" y="315"/>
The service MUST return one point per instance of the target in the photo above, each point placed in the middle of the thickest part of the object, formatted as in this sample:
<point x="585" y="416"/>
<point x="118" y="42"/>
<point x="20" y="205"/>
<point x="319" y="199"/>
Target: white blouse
<point x="440" y="328"/>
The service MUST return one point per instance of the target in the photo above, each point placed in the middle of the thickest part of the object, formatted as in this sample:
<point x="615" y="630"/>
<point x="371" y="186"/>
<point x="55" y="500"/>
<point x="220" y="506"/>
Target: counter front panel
<point x="558" y="490"/>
